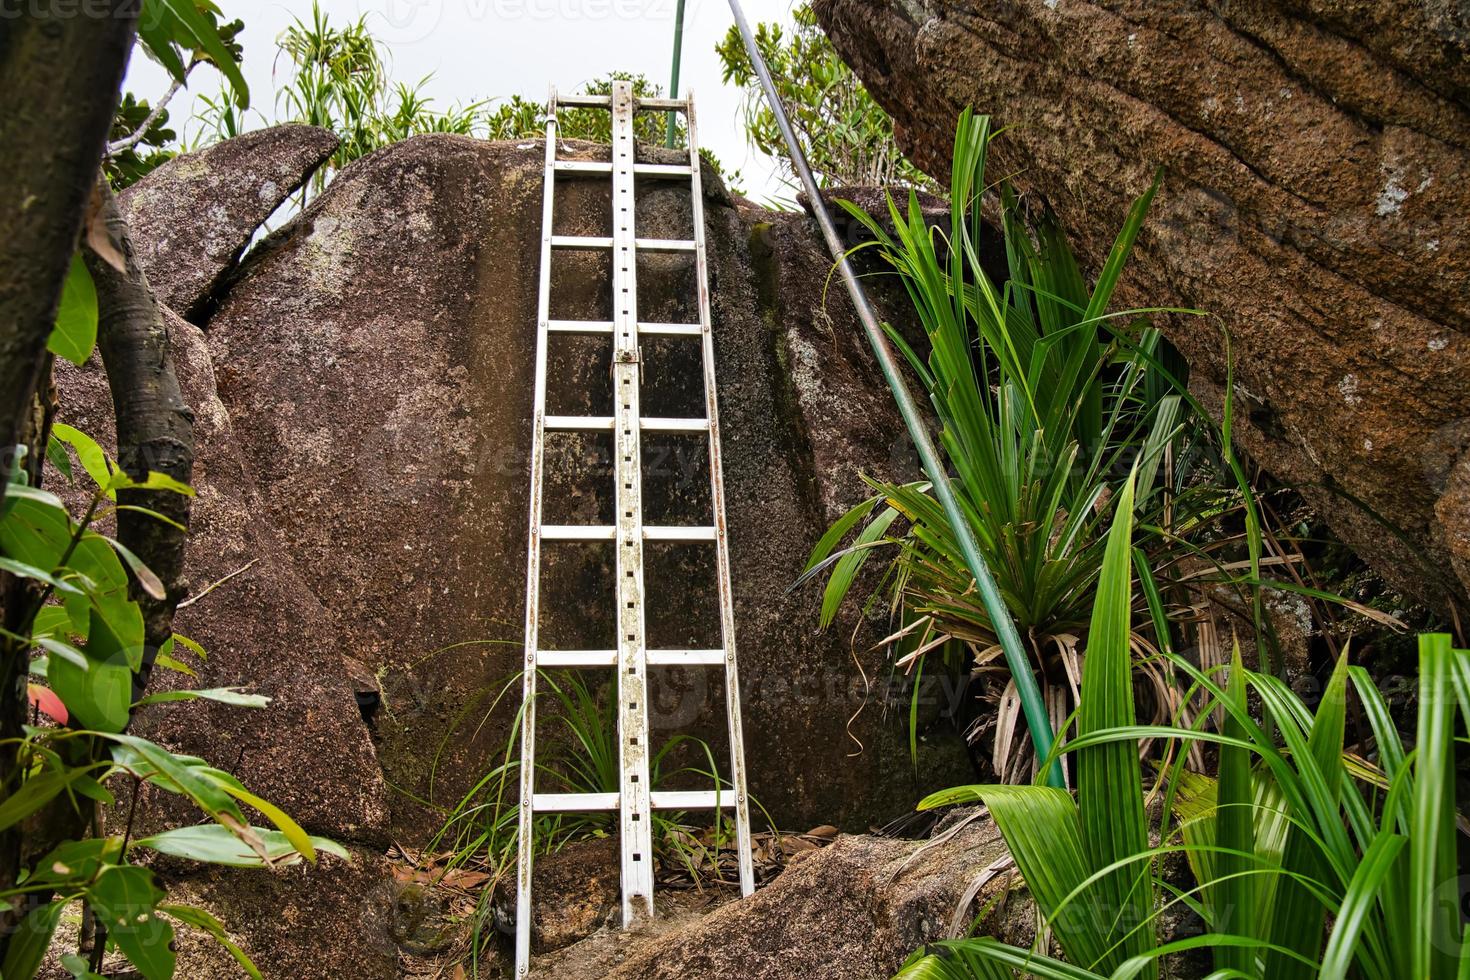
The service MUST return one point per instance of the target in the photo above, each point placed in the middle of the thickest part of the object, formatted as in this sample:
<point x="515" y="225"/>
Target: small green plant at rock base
<point x="1308" y="862"/>
<point x="579" y="754"/>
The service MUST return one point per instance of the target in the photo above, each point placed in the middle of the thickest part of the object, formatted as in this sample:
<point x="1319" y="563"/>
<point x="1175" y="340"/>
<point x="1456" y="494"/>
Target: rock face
<point x="851" y="911"/>
<point x="308" y="751"/>
<point x="193" y="216"/>
<point x="376" y="358"/>
<point x="1314" y="159"/>
<point x="362" y="385"/>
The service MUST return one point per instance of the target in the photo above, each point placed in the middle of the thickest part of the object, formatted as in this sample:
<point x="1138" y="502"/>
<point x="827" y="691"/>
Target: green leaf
<point x="200" y="919"/>
<point x="22" y="570"/>
<point x="89" y="453"/>
<point x="290" y="828"/>
<point x="225" y="695"/>
<point x="1357" y="902"/>
<point x="28" y="944"/>
<point x="125" y="898"/>
<point x="1432" y="841"/>
<point x="75" y="332"/>
<point x="204" y="37"/>
<point x="149" y="582"/>
<point x="78" y="968"/>
<point x="77" y="861"/>
<point x="1041" y="829"/>
<point x="56" y="453"/>
<point x="1232" y="899"/>
<point x="213" y="844"/>
<point x="35" y="793"/>
<point x="100" y="694"/>
<point x="1109" y="778"/>
<point x="153" y="481"/>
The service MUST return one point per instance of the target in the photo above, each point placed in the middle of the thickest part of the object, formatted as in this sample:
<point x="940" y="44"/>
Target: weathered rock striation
<point x="1314" y="161"/>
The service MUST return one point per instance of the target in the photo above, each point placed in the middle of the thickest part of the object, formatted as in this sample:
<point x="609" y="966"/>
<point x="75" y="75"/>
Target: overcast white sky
<point x="494" y="48"/>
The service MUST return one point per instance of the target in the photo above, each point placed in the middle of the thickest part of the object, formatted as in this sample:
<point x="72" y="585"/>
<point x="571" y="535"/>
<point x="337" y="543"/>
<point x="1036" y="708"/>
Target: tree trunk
<point x="155" y="427"/>
<point x="61" y="66"/>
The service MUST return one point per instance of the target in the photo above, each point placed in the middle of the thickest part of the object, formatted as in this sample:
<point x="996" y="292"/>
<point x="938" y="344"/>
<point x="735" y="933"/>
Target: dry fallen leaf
<point x="95" y="233"/>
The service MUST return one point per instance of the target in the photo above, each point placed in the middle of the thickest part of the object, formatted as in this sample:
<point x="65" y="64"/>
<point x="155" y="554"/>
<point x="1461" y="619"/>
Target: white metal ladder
<point x="631" y="658"/>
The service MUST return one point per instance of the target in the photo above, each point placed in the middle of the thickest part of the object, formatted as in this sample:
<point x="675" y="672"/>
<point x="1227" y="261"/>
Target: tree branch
<point x="136" y="136"/>
<point x="155" y="427"/>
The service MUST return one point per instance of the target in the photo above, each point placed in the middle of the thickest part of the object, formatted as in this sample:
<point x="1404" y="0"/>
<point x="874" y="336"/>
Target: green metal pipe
<point x="674" y="80"/>
<point x="1032" y="706"/>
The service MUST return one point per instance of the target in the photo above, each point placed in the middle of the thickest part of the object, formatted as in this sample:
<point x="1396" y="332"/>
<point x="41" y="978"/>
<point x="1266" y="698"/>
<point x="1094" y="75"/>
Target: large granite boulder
<point x="193" y="217"/>
<point x="376" y="358"/>
<point x="362" y="388"/>
<point x="308" y="751"/>
<point x="1313" y="202"/>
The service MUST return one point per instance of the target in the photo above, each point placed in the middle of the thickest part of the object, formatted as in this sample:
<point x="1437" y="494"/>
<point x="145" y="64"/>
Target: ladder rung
<point x="585" y="327"/>
<point x="576" y="658"/>
<point x="593" y="243"/>
<point x="582" y="242"/>
<point x="578" y="423"/>
<point x="655" y="104"/>
<point x="686" y="658"/>
<point x="609" y="532"/>
<point x="667" y="533"/>
<point x="578" y="532"/>
<point x="661" y="169"/>
<point x="670" y="329"/>
<point x="604" y="423"/>
<point x="663" y="244"/>
<point x="639" y="169"/>
<point x="584" y="101"/>
<point x="675" y="799"/>
<point x="609" y="658"/>
<point x="674" y="425"/>
<point x="699" y="799"/>
<point x="573" y="802"/>
<point x="582" y="167"/>
<point x="600" y="327"/>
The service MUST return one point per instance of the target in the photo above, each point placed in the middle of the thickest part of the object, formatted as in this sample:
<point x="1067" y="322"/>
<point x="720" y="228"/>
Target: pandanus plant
<point x="1045" y="400"/>
<point x="1309" y="861"/>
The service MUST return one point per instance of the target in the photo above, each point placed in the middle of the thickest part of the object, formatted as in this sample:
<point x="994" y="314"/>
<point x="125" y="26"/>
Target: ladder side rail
<point x="717" y="503"/>
<point x="634" y="816"/>
<point x="527" y="815"/>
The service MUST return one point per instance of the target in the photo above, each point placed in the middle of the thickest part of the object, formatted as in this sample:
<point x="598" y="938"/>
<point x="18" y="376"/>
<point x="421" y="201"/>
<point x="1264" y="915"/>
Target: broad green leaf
<point x="75" y="332"/>
<point x="213" y="844"/>
<point x="204" y="37"/>
<point x="22" y="570"/>
<point x="149" y="582"/>
<point x="125" y="898"/>
<point x="225" y="695"/>
<point x="290" y="828"/>
<point x="153" y="481"/>
<point x="99" y="694"/>
<point x="56" y="454"/>
<point x="200" y="919"/>
<point x="28" y="944"/>
<point x="77" y="861"/>
<point x="89" y="454"/>
<point x="35" y="793"/>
